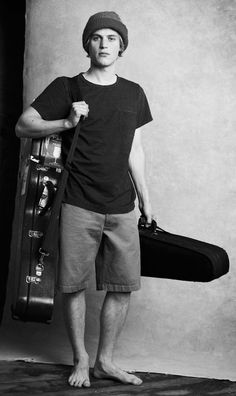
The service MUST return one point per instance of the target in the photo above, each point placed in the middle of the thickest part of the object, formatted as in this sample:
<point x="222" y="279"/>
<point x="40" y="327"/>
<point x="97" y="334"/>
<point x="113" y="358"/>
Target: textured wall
<point x="183" y="54"/>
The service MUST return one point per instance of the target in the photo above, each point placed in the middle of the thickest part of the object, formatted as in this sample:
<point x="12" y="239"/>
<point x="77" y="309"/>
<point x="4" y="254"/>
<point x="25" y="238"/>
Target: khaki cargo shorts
<point x="110" y="242"/>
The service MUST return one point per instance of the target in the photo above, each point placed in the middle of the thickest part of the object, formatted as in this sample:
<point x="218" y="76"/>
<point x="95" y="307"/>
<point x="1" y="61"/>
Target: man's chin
<point x="103" y="63"/>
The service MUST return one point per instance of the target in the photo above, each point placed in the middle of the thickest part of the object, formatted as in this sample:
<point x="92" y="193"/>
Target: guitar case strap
<point x="48" y="243"/>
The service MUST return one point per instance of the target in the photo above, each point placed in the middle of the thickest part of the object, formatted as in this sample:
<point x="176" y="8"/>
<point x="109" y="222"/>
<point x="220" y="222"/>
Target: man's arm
<point x="32" y="125"/>
<point x="137" y="172"/>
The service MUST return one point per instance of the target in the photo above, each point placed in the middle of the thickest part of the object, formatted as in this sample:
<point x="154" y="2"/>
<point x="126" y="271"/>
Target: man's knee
<point x="119" y="296"/>
<point x="73" y="295"/>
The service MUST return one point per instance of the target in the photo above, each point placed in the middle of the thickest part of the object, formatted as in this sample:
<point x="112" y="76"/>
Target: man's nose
<point x="103" y="42"/>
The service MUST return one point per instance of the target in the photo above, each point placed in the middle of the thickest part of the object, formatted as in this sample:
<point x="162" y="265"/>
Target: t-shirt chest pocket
<point x="127" y="120"/>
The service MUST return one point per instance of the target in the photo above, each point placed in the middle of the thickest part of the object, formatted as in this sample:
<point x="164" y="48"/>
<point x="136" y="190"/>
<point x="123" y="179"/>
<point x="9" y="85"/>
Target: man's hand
<point x="78" y="109"/>
<point x="146" y="212"/>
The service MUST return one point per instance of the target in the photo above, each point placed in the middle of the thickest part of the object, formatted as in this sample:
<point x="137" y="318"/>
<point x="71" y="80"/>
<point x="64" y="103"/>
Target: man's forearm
<point x="137" y="172"/>
<point x="140" y="187"/>
<point x="38" y="128"/>
<point x="32" y="125"/>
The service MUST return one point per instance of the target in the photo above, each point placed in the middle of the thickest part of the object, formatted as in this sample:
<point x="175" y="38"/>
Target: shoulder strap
<point x="48" y="243"/>
<point x="74" y="88"/>
<point x="76" y="96"/>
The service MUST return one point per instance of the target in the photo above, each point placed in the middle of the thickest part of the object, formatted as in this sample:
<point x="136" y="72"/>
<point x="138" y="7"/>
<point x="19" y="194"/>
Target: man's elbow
<point x="19" y="130"/>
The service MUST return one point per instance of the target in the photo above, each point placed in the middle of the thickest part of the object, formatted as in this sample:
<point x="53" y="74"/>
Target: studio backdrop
<point x="183" y="54"/>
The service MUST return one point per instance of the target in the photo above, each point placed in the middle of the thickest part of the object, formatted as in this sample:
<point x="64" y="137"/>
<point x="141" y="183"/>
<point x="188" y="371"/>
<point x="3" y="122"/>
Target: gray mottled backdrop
<point x="183" y="54"/>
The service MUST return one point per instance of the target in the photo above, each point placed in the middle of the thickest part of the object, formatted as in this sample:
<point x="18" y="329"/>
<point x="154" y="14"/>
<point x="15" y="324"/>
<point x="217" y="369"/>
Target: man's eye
<point x="112" y="38"/>
<point x="95" y="38"/>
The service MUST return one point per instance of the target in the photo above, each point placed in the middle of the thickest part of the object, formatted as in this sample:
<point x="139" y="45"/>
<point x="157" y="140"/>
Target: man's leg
<point x="74" y="306"/>
<point x="113" y="315"/>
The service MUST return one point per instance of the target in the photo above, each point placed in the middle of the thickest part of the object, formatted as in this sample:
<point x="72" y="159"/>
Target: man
<point x="98" y="222"/>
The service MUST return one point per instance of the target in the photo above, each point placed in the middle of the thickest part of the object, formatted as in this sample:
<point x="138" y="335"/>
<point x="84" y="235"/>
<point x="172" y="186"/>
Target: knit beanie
<point x="102" y="20"/>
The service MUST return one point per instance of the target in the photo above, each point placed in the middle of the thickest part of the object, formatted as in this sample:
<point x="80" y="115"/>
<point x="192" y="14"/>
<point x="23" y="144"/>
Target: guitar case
<point x="34" y="282"/>
<point x="35" y="240"/>
<point x="171" y="256"/>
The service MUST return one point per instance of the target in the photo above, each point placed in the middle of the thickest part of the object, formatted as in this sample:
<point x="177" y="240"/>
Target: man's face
<point x="104" y="47"/>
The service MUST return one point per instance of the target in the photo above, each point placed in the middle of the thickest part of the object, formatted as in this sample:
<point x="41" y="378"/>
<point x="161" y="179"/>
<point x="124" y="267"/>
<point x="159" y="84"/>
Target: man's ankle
<point x="82" y="358"/>
<point x="103" y="360"/>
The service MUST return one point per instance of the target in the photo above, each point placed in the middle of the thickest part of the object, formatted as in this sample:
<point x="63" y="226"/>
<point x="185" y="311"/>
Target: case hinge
<point x="35" y="234"/>
<point x="33" y="279"/>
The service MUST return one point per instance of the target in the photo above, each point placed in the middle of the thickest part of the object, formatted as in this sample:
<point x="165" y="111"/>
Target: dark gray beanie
<point x="102" y="20"/>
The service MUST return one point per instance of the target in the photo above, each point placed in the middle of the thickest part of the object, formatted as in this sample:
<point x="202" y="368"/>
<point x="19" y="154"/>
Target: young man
<point x="98" y="222"/>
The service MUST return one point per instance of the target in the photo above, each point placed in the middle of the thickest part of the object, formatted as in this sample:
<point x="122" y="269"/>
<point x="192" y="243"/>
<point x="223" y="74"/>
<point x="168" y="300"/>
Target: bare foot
<point x="80" y="375"/>
<point x="105" y="370"/>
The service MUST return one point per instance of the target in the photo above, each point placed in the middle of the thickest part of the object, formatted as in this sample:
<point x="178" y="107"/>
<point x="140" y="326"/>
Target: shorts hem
<point x="118" y="288"/>
<point x="72" y="289"/>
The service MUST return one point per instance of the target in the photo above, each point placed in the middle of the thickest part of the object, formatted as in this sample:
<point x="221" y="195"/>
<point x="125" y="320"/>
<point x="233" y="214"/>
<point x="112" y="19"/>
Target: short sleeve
<point x="143" y="112"/>
<point x="54" y="102"/>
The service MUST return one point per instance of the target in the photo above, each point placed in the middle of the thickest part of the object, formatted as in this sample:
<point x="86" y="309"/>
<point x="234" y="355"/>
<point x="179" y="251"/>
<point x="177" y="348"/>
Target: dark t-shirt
<point x="99" y="179"/>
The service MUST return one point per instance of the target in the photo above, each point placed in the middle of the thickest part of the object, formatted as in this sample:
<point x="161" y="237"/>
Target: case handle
<point x="47" y="195"/>
<point x="142" y="223"/>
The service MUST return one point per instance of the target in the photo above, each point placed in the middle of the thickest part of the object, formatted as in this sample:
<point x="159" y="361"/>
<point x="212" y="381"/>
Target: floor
<point x="24" y="378"/>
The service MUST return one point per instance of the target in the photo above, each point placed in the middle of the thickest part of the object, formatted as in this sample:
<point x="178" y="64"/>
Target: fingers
<point x="149" y="218"/>
<point x="80" y="109"/>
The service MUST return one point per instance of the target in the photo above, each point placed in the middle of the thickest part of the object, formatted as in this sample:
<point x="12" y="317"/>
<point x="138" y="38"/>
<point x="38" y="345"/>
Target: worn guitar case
<point x="171" y="256"/>
<point x="34" y="282"/>
<point x="35" y="248"/>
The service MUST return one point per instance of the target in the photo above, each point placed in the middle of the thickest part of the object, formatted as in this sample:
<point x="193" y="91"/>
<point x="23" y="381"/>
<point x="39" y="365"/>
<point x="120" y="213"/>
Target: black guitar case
<point x="33" y="291"/>
<point x="40" y="182"/>
<point x="171" y="256"/>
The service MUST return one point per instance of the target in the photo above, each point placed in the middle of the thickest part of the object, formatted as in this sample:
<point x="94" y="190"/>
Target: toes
<point x="137" y="381"/>
<point x="132" y="379"/>
<point x="86" y="384"/>
<point x="71" y="381"/>
<point x="78" y="383"/>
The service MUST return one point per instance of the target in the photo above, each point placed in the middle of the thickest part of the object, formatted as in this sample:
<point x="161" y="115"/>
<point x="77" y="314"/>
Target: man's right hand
<point x="78" y="109"/>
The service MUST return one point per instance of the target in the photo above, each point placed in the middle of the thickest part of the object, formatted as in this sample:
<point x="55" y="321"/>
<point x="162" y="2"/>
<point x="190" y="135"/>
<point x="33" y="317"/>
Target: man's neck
<point x="101" y="76"/>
